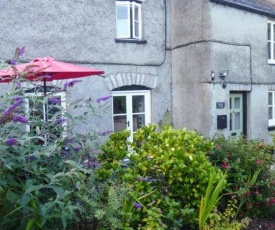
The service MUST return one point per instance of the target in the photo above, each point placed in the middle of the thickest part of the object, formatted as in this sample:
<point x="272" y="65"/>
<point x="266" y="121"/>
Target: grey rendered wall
<point x="240" y="45"/>
<point x="190" y="64"/>
<point x="83" y="32"/>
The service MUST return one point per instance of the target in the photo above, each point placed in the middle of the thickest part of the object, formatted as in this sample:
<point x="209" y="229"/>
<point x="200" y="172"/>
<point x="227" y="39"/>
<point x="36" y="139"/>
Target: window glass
<point x="138" y="121"/>
<point x="270" y="114"/>
<point x="237" y="103"/>
<point x="122" y="21"/>
<point x="138" y="104"/>
<point x="237" y="121"/>
<point x="269" y="31"/>
<point x="271" y="108"/>
<point x="120" y="123"/>
<point x="119" y="104"/>
<point x="269" y="48"/>
<point x="270" y="98"/>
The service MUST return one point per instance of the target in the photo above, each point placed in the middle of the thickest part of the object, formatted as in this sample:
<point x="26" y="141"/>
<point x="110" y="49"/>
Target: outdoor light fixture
<point x="223" y="75"/>
<point x="212" y="75"/>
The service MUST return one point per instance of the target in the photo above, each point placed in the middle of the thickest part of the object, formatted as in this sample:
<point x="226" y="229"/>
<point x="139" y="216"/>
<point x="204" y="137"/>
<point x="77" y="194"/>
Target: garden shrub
<point x="169" y="169"/>
<point x="248" y="164"/>
<point x="43" y="172"/>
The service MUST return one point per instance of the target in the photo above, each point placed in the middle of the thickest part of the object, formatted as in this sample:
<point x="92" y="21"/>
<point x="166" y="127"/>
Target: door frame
<point x="244" y="110"/>
<point x="129" y="113"/>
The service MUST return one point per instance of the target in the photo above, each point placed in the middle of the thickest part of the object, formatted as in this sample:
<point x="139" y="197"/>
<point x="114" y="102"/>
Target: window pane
<point x="119" y="104"/>
<point x="36" y="109"/>
<point x="122" y="12"/>
<point x="122" y="22"/>
<point x="273" y="30"/>
<point x="136" y="13"/>
<point x="138" y="121"/>
<point x="237" y="121"/>
<point x="138" y="104"/>
<point x="270" y="98"/>
<point x="230" y="121"/>
<point x="137" y="29"/>
<point x="269" y="31"/>
<point x="122" y="28"/>
<point x="54" y="107"/>
<point x="120" y="123"/>
<point x="237" y="103"/>
<point x="273" y="51"/>
<point x="136" y="21"/>
<point x="230" y="103"/>
<point x="269" y="50"/>
<point x="270" y="113"/>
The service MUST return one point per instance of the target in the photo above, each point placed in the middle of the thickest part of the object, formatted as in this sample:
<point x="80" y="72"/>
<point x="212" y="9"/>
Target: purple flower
<point x="60" y="120"/>
<point x="21" y="51"/>
<point x="12" y="108"/>
<point x="11" y="142"/>
<point x="98" y="100"/>
<point x="76" y="149"/>
<point x="145" y="179"/>
<point x="18" y="85"/>
<point x="21" y="119"/>
<point x="70" y="83"/>
<point x="17" y="98"/>
<point x="54" y="100"/>
<point x="137" y="205"/>
<point x="12" y="62"/>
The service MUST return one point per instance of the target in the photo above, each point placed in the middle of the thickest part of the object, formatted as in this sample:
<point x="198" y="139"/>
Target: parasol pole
<point x="46" y="100"/>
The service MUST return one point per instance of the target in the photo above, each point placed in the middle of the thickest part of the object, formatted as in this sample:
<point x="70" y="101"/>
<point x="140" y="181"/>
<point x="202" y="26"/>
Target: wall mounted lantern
<point x="223" y="75"/>
<point x="212" y="75"/>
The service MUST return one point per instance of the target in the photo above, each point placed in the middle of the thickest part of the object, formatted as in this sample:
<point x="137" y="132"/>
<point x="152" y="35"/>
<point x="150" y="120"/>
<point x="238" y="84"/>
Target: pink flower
<point x="225" y="165"/>
<point x="259" y="161"/>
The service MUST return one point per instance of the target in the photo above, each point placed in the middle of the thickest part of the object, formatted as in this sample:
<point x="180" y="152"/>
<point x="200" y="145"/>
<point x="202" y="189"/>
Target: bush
<point x="248" y="163"/>
<point x="169" y="169"/>
<point x="45" y="168"/>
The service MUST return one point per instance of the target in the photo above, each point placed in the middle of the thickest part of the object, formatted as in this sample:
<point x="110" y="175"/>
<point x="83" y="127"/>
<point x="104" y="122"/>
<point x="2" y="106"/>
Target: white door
<point x="131" y="110"/>
<point x="236" y="114"/>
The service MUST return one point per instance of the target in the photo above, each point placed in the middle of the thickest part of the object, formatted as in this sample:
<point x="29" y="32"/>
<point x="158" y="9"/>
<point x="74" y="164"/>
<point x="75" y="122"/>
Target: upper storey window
<point x="271" y="41"/>
<point x="128" y="20"/>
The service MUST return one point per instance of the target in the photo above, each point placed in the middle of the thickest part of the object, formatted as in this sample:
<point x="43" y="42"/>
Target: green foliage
<point x="248" y="164"/>
<point x="225" y="220"/>
<point x="45" y="164"/>
<point x="209" y="201"/>
<point x="173" y="168"/>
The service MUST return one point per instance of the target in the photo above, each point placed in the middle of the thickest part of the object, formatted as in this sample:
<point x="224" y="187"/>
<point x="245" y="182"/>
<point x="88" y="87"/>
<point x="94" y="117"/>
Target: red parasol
<point x="46" y="69"/>
<point x="47" y="66"/>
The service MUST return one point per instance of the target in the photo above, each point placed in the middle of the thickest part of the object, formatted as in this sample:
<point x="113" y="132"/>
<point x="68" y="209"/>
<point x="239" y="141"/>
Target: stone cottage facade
<point x="208" y="64"/>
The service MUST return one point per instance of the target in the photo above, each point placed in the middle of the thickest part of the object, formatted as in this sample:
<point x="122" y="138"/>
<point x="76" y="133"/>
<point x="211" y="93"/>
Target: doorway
<point x="237" y="117"/>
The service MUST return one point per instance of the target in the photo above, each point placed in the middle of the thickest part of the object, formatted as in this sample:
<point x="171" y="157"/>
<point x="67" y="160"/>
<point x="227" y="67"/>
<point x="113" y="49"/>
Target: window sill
<point x="271" y="62"/>
<point x="271" y="128"/>
<point x="125" y="40"/>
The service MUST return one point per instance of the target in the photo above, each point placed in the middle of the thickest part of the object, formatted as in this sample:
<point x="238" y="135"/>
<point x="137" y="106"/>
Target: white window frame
<point x="131" y="27"/>
<point x="271" y="60"/>
<point x="271" y="121"/>
<point x="129" y="113"/>
<point x="45" y="98"/>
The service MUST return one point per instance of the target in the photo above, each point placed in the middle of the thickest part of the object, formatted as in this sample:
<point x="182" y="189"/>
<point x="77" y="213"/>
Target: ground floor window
<point x="131" y="110"/>
<point x="46" y="115"/>
<point x="271" y="108"/>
